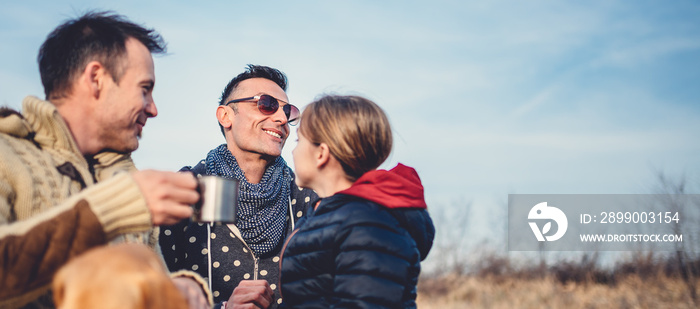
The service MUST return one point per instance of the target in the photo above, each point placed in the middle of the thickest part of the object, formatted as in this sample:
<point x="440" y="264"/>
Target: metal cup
<point x="218" y="200"/>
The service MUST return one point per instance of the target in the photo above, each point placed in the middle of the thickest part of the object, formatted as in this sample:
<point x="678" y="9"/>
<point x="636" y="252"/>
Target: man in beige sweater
<point x="67" y="183"/>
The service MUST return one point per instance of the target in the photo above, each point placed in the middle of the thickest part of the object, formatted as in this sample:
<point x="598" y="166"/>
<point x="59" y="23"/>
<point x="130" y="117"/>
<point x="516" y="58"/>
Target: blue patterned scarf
<point x="262" y="209"/>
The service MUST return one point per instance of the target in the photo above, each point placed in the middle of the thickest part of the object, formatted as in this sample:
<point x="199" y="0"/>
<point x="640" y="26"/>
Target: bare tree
<point x="674" y="190"/>
<point x="449" y="254"/>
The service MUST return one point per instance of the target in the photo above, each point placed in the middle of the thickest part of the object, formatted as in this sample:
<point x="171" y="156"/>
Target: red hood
<point x="399" y="187"/>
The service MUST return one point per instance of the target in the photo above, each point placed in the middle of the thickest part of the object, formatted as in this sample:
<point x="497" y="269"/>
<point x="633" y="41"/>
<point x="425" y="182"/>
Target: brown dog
<point x="125" y="276"/>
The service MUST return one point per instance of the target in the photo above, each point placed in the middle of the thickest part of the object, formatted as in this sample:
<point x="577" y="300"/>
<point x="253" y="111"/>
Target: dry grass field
<point x="640" y="283"/>
<point x="488" y="292"/>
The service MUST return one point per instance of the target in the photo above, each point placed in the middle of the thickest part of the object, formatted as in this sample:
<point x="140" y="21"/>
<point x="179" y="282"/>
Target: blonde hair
<point x="356" y="130"/>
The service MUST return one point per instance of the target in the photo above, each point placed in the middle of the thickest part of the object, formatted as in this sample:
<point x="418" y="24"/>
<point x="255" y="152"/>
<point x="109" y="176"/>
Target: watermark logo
<point x="603" y="222"/>
<point x="542" y="211"/>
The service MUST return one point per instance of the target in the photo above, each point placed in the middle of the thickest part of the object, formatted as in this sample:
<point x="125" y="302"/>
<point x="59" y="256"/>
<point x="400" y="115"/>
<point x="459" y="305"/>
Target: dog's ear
<point x="58" y="288"/>
<point x="157" y="290"/>
<point x="162" y="293"/>
<point x="175" y="299"/>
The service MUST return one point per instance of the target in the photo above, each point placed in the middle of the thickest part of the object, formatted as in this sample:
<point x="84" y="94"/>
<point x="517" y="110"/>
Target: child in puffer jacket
<point x="362" y="244"/>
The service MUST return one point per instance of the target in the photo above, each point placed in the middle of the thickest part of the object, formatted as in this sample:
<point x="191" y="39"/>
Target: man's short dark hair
<point x="99" y="36"/>
<point x="253" y="71"/>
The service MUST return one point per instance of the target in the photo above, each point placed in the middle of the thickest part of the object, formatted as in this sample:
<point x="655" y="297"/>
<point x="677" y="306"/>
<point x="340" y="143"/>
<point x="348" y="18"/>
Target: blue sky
<point x="486" y="98"/>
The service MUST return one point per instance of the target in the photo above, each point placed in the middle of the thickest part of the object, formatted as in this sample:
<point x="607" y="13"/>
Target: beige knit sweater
<point x="46" y="218"/>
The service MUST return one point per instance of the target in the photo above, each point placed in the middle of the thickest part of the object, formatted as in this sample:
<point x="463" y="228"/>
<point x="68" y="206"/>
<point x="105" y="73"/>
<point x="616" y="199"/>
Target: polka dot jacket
<point x="190" y="245"/>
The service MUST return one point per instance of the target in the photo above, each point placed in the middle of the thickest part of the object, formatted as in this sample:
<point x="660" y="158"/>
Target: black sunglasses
<point x="268" y="105"/>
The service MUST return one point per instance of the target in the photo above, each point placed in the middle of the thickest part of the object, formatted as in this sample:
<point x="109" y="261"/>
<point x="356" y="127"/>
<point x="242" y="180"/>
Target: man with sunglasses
<point x="255" y="115"/>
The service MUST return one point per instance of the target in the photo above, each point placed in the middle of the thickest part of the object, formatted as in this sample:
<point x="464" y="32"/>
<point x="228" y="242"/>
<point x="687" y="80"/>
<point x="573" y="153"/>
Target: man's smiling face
<point x="252" y="131"/>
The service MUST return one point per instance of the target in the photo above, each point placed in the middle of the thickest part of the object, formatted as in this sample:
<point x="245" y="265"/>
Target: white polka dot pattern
<point x="231" y="259"/>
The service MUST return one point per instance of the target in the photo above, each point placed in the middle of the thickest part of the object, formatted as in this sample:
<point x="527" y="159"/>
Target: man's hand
<point x="168" y="194"/>
<point x="192" y="291"/>
<point x="250" y="294"/>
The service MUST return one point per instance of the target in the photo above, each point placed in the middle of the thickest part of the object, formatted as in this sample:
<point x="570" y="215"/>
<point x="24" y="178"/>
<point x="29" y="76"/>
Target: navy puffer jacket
<point x="353" y="252"/>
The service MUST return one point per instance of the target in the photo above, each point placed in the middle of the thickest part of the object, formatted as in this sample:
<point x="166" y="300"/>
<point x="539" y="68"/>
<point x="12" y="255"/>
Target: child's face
<point x="304" y="165"/>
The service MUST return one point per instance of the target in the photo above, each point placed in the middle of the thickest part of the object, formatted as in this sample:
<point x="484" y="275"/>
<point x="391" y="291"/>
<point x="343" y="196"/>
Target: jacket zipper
<point x="255" y="258"/>
<point x="255" y="274"/>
